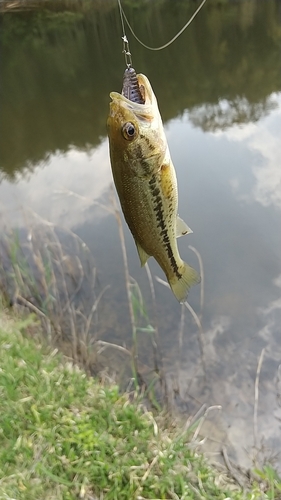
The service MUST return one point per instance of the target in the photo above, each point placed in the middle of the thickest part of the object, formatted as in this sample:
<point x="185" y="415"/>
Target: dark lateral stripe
<point x="158" y="209"/>
<point x="144" y="164"/>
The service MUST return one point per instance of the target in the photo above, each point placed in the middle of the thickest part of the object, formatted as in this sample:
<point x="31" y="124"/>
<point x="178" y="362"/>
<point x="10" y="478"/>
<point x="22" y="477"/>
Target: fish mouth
<point x="137" y="97"/>
<point x="132" y="89"/>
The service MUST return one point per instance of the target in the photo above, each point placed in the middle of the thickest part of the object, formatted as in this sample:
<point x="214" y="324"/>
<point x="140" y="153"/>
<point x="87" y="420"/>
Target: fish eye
<point x="129" y="131"/>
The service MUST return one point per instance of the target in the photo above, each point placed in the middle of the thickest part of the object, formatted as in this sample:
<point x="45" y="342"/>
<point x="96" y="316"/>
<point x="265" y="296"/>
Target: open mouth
<point x="131" y="88"/>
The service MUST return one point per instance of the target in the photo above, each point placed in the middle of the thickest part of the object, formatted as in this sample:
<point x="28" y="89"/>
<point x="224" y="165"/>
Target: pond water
<point x="219" y="93"/>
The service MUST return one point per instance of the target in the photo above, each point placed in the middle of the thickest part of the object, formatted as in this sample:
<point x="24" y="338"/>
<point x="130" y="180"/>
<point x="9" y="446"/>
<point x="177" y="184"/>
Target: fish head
<point x="135" y="129"/>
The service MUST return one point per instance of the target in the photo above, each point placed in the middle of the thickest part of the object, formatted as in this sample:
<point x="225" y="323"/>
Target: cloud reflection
<point x="264" y="139"/>
<point x="48" y="190"/>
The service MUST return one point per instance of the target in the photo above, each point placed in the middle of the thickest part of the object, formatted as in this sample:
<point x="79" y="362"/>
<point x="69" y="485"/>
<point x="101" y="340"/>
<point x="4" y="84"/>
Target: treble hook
<point x="126" y="51"/>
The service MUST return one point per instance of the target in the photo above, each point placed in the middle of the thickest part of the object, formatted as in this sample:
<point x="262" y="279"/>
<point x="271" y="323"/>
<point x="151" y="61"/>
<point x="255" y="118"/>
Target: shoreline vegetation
<point x="65" y="435"/>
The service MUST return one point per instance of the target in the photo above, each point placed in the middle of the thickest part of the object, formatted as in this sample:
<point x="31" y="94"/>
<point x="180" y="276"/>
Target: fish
<point x="145" y="180"/>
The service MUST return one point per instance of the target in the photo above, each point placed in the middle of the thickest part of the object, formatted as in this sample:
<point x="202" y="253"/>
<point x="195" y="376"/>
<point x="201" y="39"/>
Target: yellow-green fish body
<point x="146" y="183"/>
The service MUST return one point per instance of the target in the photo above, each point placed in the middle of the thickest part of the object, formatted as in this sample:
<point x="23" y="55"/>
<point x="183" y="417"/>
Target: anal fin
<point x="182" y="228"/>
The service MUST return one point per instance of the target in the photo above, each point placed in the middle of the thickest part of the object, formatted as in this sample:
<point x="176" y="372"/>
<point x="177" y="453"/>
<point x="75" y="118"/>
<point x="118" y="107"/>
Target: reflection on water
<point x="53" y="193"/>
<point x="58" y="69"/>
<point x="226" y="113"/>
<point x="219" y="91"/>
<point x="262" y="138"/>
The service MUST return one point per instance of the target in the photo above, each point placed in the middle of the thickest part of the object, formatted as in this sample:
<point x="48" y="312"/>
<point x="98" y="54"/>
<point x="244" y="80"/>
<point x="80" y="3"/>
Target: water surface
<point x="219" y="92"/>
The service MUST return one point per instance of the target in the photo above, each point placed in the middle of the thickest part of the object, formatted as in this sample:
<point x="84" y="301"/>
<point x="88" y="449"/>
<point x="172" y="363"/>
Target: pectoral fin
<point x="142" y="254"/>
<point x="182" y="228"/>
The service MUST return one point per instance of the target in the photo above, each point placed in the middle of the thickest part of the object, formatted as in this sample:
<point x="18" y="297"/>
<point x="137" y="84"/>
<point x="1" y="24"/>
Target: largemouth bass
<point x="145" y="180"/>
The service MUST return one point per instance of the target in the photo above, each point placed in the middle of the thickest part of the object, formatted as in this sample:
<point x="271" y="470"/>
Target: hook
<point x="126" y="51"/>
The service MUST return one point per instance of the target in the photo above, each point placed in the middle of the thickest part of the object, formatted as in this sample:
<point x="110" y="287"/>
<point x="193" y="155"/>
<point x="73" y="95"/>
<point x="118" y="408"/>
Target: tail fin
<point x="180" y="286"/>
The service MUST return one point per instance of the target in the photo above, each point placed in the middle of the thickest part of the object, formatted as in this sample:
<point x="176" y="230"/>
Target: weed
<point x="50" y="272"/>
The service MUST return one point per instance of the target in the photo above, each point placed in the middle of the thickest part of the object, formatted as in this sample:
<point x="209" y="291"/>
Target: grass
<point x="66" y="436"/>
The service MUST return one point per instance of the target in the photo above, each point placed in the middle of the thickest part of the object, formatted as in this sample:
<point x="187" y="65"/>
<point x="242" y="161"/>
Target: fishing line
<point x="125" y="40"/>
<point x="126" y="48"/>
